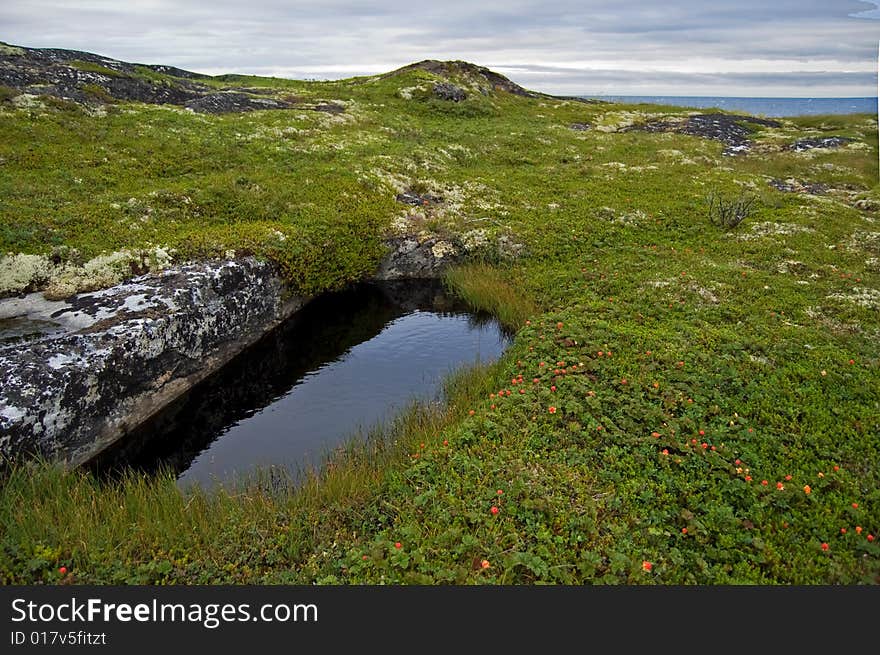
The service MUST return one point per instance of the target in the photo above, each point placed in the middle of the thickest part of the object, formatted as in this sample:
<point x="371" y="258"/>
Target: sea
<point x="771" y="107"/>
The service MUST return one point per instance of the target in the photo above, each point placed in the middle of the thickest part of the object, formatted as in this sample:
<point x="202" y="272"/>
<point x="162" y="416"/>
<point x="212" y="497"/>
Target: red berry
<point x="494" y="510"/>
<point x="398" y="545"/>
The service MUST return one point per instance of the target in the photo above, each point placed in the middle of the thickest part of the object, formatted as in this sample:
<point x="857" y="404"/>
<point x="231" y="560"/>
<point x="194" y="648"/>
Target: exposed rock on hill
<point x="727" y="128"/>
<point x="819" y="142"/>
<point x="87" y="78"/>
<point x="486" y="80"/>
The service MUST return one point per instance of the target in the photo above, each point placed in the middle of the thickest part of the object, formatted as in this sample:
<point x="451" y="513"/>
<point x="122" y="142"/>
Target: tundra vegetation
<point x="687" y="400"/>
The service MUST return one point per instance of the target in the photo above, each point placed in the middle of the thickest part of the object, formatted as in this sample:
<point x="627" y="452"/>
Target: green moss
<point x="98" y="92"/>
<point x="7" y="93"/>
<point x="6" y="49"/>
<point x="618" y="248"/>
<point x="91" y="67"/>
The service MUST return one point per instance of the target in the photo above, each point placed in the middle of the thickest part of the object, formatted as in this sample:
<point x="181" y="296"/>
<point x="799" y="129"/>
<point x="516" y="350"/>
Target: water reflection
<point x="344" y="363"/>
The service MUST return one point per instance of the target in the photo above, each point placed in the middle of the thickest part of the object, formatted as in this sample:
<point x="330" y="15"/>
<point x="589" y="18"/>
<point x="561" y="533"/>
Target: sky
<point x="777" y="48"/>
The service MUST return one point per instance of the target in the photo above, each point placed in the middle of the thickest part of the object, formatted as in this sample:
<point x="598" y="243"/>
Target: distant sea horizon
<point x="775" y="107"/>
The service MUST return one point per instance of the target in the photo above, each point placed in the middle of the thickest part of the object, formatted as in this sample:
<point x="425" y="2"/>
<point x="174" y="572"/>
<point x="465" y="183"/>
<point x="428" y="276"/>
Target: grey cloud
<point x="323" y="36"/>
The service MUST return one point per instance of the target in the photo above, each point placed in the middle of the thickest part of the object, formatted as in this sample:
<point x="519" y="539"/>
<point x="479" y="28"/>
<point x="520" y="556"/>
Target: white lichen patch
<point x="704" y="293"/>
<point x="443" y="249"/>
<point x="861" y="296"/>
<point x="19" y="272"/>
<point x="676" y="156"/>
<point x="770" y="228"/>
<point x="611" y="215"/>
<point x="28" y="101"/>
<point x="407" y="92"/>
<point x="865" y="241"/>
<point x="394" y="182"/>
<point x="614" y="121"/>
<point x="791" y="266"/>
<point x="474" y="240"/>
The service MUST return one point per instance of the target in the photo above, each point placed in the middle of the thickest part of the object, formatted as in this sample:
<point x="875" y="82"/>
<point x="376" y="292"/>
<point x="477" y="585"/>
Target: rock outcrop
<point x="100" y="363"/>
<point x="91" y="79"/>
<point x="421" y="258"/>
<point x="726" y="128"/>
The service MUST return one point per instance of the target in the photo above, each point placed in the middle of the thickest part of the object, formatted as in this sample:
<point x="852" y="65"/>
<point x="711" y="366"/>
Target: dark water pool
<point x="345" y="363"/>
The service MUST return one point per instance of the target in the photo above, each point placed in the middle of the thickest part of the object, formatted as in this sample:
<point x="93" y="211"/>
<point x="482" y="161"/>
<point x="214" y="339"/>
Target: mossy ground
<point x="663" y="367"/>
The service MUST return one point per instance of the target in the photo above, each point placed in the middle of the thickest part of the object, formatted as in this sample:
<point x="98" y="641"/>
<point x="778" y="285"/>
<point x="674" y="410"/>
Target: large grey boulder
<point x="100" y="363"/>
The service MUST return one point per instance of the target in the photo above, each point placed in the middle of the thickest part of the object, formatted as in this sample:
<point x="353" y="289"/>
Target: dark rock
<point x="412" y="258"/>
<point x="232" y="102"/>
<point x="328" y="108"/>
<point x="726" y="128"/>
<point x="418" y="199"/>
<point x="867" y="204"/>
<point x="818" y="142"/>
<point x="796" y="186"/>
<point x="580" y="127"/>
<point x="447" y="91"/>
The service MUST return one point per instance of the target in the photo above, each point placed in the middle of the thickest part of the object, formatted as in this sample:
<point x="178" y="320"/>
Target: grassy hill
<point x="685" y="401"/>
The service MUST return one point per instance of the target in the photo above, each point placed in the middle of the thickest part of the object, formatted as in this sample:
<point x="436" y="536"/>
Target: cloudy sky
<point x="809" y="48"/>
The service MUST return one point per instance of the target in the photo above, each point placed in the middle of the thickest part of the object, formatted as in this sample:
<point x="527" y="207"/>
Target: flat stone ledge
<point x="98" y="364"/>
